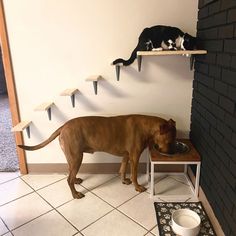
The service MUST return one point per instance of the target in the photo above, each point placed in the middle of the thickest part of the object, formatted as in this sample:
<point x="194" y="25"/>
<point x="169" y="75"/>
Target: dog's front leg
<point x="134" y="170"/>
<point x="123" y="169"/>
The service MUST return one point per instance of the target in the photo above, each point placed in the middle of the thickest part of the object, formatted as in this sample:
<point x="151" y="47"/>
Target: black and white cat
<point x="159" y="38"/>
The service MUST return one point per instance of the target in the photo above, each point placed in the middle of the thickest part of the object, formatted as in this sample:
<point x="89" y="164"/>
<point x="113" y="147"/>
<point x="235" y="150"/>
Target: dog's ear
<point x="166" y="127"/>
<point x="171" y="123"/>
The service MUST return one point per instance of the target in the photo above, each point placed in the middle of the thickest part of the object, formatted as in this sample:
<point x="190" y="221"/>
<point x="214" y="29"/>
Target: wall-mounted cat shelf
<point x="46" y="107"/>
<point x="21" y="126"/>
<point x="70" y="92"/>
<point x="117" y="66"/>
<point x="192" y="54"/>
<point x="95" y="79"/>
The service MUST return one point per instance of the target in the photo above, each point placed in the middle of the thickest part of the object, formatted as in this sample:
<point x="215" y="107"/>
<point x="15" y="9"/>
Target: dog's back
<point x="114" y="135"/>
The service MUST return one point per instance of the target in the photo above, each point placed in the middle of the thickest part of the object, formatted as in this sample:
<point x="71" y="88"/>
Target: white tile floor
<point x="43" y="205"/>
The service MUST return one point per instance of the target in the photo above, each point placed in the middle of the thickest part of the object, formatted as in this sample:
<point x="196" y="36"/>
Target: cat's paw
<point x="157" y="49"/>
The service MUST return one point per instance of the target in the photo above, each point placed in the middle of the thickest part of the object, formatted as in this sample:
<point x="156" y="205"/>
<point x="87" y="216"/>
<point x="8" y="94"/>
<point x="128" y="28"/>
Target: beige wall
<point x="57" y="44"/>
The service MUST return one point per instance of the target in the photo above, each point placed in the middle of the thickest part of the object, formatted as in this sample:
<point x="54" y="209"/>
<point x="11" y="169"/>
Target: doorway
<point x="10" y="85"/>
<point x="8" y="154"/>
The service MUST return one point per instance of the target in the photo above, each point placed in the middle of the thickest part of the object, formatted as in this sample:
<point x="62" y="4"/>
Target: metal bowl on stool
<point x="185" y="222"/>
<point x="180" y="148"/>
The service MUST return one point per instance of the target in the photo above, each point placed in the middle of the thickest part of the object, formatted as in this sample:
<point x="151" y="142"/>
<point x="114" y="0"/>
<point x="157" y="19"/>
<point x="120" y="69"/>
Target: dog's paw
<point x="126" y="181"/>
<point x="78" y="195"/>
<point x="140" y="188"/>
<point x="78" y="181"/>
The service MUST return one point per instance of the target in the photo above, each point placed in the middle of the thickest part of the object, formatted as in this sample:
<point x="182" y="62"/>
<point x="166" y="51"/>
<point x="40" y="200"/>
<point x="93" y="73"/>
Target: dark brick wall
<point x="213" y="119"/>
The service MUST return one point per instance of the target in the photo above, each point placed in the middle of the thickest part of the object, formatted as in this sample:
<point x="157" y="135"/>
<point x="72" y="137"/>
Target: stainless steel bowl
<point x="180" y="148"/>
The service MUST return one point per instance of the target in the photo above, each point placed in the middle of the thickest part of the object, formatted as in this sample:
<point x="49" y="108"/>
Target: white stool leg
<point x="147" y="167"/>
<point x="197" y="179"/>
<point x="152" y="193"/>
<point x="185" y="168"/>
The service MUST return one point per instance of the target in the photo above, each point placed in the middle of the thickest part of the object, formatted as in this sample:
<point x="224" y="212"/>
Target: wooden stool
<point x="190" y="158"/>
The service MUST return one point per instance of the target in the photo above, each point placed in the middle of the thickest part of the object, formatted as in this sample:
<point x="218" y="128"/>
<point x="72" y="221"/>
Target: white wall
<point x="57" y="44"/>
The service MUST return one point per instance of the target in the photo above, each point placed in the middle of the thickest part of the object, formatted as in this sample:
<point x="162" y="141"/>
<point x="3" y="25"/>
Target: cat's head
<point x="190" y="42"/>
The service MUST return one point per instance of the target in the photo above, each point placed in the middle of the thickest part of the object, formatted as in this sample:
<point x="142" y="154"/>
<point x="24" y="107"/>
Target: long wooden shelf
<point x="140" y="54"/>
<point x="168" y="52"/>
<point x="192" y="54"/>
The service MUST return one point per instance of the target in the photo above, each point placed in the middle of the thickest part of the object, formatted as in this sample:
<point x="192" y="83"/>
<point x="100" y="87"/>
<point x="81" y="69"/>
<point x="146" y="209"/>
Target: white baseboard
<point x="96" y="168"/>
<point x="202" y="197"/>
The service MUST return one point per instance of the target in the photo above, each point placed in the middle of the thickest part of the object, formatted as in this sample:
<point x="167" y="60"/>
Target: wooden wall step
<point x="70" y="92"/>
<point x="118" y="66"/>
<point x="45" y="107"/>
<point x="94" y="79"/>
<point x="22" y="126"/>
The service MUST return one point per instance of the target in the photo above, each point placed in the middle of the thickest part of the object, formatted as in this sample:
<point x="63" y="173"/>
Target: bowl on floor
<point x="185" y="222"/>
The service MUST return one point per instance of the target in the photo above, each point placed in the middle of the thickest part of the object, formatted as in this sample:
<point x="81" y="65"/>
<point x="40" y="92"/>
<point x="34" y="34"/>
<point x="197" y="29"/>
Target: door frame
<point x="11" y="89"/>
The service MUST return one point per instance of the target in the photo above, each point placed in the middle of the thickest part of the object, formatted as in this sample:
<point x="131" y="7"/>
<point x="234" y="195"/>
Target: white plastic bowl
<point x="185" y="222"/>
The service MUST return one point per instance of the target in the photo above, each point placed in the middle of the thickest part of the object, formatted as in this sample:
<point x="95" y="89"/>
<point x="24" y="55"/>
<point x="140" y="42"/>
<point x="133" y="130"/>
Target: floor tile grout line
<point x="45" y="185"/>
<point x="110" y="203"/>
<point x="116" y="208"/>
<point x="31" y="220"/>
<point x="79" y="231"/>
<point x="9" y="180"/>
<point x="5" y="225"/>
<point x="182" y="182"/>
<point x="99" y="184"/>
<point x="150" y="231"/>
<point x="34" y="191"/>
<point x="132" y="220"/>
<point x="159" y="180"/>
<point x="56" y="208"/>
<point x="20" y="196"/>
<point x="98" y="219"/>
<point x="15" y="199"/>
<point x="53" y="208"/>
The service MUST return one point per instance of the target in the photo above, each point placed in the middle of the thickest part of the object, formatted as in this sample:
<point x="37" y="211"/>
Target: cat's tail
<point x="129" y="61"/>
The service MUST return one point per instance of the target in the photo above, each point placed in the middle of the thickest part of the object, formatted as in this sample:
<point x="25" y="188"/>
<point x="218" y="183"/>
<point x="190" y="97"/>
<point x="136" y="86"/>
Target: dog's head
<point x="166" y="137"/>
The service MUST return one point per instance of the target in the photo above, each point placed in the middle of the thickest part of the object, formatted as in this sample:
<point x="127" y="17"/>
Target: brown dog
<point x="125" y="136"/>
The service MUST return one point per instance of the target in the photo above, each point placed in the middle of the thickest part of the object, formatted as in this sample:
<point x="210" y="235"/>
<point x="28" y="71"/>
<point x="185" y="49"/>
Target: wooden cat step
<point x="70" y="92"/>
<point x="46" y="107"/>
<point x="94" y="79"/>
<point x="118" y="66"/>
<point x="192" y="54"/>
<point x="22" y="126"/>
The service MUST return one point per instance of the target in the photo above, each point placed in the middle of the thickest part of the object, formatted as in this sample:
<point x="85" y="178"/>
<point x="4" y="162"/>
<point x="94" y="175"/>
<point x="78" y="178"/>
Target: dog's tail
<point x="43" y="144"/>
<point x="129" y="61"/>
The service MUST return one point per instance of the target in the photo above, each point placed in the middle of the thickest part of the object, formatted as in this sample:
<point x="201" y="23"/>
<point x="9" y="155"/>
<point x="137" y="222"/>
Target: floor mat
<point x="164" y="212"/>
